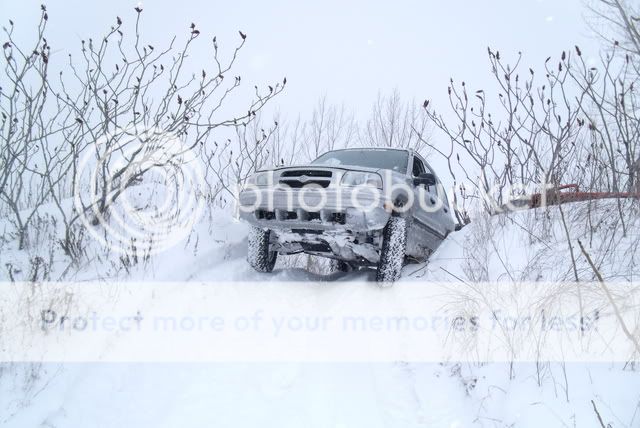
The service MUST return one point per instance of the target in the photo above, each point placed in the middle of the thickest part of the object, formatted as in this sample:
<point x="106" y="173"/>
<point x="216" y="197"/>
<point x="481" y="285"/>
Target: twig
<point x="616" y="310"/>
<point x="595" y="409"/>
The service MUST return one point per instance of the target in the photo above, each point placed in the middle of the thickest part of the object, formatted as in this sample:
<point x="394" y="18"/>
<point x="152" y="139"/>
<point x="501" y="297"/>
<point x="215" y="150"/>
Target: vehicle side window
<point x="427" y="168"/>
<point x="445" y="198"/>
<point x="418" y="167"/>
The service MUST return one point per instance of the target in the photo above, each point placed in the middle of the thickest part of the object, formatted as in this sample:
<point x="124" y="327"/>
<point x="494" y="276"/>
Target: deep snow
<point x="322" y="395"/>
<point x="519" y="246"/>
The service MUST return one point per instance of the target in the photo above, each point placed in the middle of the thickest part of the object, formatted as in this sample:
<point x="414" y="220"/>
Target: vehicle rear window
<point x="395" y="160"/>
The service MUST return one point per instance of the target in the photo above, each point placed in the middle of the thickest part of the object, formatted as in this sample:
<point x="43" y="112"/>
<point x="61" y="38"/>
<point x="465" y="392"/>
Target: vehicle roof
<point x="370" y="148"/>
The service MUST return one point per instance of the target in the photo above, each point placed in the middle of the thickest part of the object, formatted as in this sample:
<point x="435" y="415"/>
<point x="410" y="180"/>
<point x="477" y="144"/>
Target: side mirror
<point x="425" y="178"/>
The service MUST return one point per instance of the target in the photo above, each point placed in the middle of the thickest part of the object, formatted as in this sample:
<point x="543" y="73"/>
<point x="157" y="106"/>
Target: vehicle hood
<point x="325" y="167"/>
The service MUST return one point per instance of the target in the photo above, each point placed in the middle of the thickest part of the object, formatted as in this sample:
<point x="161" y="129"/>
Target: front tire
<point x="258" y="255"/>
<point x="394" y="246"/>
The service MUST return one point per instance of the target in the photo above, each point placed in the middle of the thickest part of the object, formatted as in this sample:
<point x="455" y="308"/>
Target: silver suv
<point x="359" y="207"/>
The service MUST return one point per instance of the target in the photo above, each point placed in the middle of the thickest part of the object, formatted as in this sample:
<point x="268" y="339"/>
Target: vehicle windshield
<point x="395" y="160"/>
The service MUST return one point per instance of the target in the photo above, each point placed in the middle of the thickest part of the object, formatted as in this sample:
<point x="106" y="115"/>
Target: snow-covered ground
<point x="324" y="395"/>
<point x="527" y="246"/>
<point x="530" y="245"/>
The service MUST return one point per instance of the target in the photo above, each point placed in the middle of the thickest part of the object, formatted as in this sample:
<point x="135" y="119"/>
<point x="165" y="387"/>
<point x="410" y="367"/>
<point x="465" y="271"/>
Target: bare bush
<point x="570" y="123"/>
<point x="234" y="160"/>
<point x="394" y="123"/>
<point x="329" y="128"/>
<point x="32" y="126"/>
<point x="119" y="109"/>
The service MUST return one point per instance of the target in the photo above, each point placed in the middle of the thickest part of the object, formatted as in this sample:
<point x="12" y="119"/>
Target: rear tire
<point x="394" y="246"/>
<point x="258" y="255"/>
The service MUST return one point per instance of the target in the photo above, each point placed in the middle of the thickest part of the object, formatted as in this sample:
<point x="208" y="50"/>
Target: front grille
<point x="301" y="215"/>
<point x="298" y="178"/>
<point x="307" y="172"/>
<point x="295" y="184"/>
<point x="265" y="215"/>
<point x="339" y="218"/>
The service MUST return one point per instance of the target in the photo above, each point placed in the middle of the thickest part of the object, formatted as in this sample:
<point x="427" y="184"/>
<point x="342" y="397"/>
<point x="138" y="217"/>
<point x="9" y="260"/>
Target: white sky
<point x="349" y="50"/>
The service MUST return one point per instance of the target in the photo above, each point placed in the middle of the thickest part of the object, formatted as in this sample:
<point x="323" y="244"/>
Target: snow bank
<point x="524" y="246"/>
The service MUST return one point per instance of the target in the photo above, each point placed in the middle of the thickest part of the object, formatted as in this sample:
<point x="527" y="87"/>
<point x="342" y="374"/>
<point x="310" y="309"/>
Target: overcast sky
<point x="349" y="50"/>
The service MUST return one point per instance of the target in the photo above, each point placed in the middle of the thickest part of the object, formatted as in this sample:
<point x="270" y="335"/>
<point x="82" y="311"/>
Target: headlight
<point x="259" y="179"/>
<point x="354" y="178"/>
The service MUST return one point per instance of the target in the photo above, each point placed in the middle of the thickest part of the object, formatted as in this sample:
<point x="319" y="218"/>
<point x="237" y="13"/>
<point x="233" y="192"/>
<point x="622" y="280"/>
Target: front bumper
<point x="349" y="209"/>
